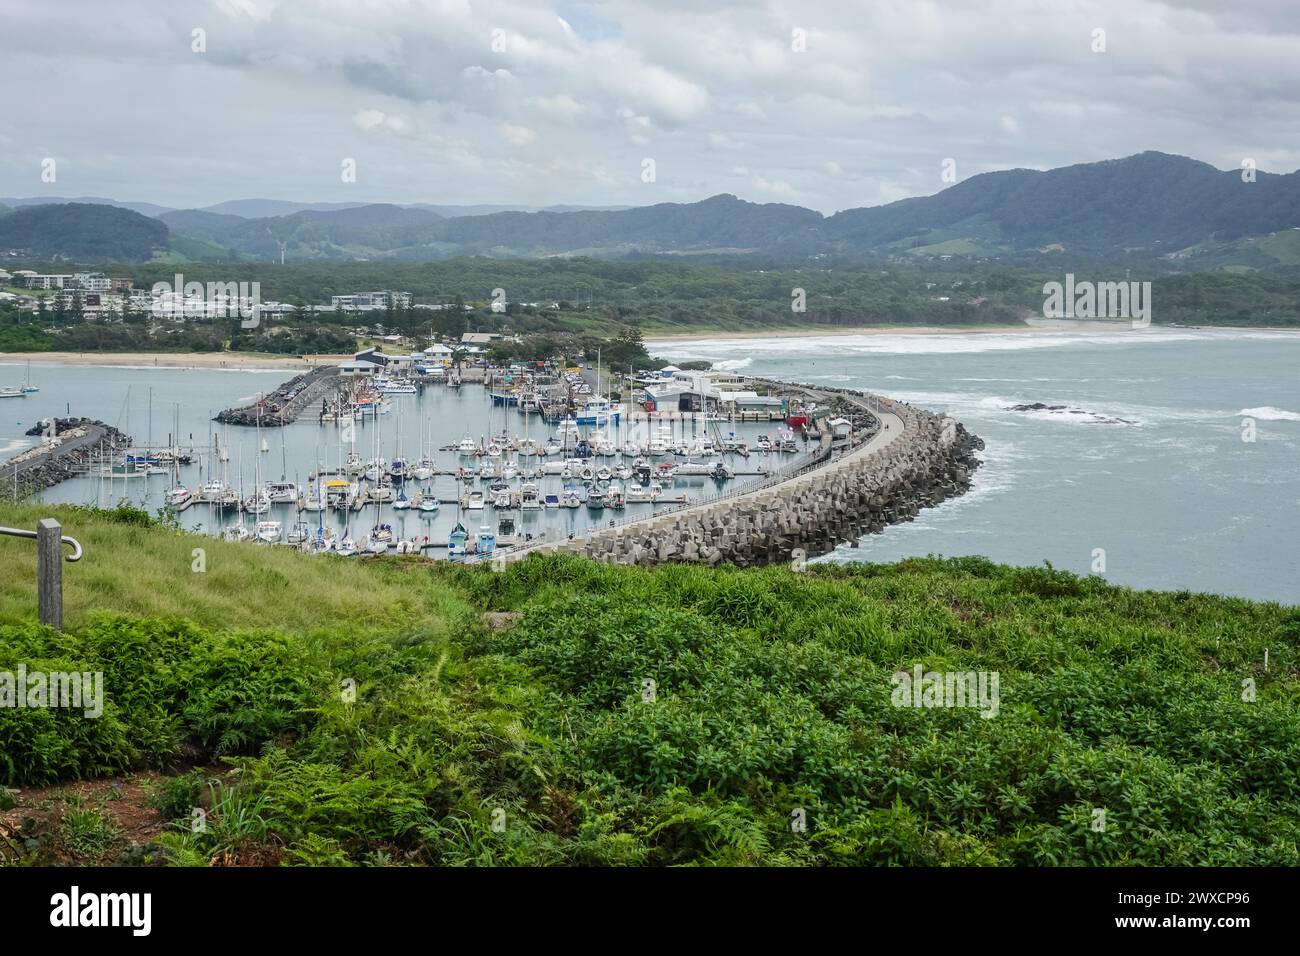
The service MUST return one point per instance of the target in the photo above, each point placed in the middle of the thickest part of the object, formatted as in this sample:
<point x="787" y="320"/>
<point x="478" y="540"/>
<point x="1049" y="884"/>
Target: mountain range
<point x="1147" y="205"/>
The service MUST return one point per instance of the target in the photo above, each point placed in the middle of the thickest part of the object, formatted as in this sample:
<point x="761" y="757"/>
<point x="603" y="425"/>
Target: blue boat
<point x="456" y="541"/>
<point x="487" y="540"/>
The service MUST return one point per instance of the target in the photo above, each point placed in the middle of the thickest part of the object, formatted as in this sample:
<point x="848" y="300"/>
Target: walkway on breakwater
<point x="286" y="403"/>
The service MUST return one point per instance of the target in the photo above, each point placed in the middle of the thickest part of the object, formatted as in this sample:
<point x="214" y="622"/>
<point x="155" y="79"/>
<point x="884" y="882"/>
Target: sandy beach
<point x="230" y="360"/>
<point x="839" y="331"/>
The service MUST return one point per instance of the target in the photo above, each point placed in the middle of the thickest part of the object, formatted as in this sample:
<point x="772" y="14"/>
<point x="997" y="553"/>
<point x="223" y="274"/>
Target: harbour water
<point x="161" y="406"/>
<point x="1146" y="465"/>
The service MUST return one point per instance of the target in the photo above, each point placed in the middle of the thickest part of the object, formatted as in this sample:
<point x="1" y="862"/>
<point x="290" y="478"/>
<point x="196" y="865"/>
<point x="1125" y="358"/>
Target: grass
<point x="148" y="571"/>
<point x="341" y="732"/>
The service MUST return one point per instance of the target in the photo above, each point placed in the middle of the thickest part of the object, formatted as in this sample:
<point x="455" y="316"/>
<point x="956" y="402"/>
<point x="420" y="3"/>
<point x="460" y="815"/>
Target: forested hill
<point x="82" y="232"/>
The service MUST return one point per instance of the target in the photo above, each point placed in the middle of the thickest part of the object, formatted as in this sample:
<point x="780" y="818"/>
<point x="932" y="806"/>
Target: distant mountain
<point x="144" y="208"/>
<point x="263" y="208"/>
<point x="82" y="232"/>
<point x="1152" y="201"/>
<point x="1148" y="205"/>
<point x="454" y="212"/>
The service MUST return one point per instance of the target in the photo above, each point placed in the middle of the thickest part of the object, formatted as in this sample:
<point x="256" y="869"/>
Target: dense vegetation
<point x="527" y="737"/>
<point x="81" y="232"/>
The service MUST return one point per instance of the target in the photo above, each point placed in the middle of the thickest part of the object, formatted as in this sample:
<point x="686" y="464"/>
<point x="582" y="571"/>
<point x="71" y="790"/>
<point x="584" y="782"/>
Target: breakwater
<point x="77" y="444"/>
<point x="286" y="403"/>
<point x="896" y="460"/>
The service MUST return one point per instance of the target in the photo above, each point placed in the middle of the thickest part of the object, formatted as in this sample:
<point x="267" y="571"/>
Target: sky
<point x="829" y="104"/>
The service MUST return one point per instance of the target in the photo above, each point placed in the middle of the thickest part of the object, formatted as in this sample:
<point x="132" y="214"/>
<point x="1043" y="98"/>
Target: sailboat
<point x="428" y="501"/>
<point x="28" y="387"/>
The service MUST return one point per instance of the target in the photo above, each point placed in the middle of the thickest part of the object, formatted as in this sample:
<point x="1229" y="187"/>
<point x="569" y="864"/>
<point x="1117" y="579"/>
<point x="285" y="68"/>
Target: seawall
<point x="899" y="460"/>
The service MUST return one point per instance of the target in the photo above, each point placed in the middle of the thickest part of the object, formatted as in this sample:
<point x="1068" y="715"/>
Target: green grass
<point x="424" y="736"/>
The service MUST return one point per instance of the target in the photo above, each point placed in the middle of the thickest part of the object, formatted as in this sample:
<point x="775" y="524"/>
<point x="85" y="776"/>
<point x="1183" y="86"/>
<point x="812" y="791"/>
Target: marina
<point x="403" y="463"/>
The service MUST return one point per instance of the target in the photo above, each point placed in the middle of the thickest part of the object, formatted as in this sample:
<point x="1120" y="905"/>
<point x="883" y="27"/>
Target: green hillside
<point x="504" y="718"/>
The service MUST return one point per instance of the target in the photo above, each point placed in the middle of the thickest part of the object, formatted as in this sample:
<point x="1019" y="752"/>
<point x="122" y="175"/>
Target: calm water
<point x="123" y="396"/>
<point x="1175" y="497"/>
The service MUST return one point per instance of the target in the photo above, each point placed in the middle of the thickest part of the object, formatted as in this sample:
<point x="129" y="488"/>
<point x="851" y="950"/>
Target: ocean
<point x="1173" y="461"/>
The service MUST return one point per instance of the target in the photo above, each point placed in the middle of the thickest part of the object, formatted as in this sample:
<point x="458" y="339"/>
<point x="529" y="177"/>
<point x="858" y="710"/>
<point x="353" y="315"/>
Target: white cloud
<point x="518" y="135"/>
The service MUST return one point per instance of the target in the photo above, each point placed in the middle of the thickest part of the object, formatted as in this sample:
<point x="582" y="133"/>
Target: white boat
<point x="347" y="548"/>
<point x="381" y="535"/>
<point x="529" y="498"/>
<point x="466" y="446"/>
<point x="269" y="531"/>
<point x="502" y="499"/>
<point x="637" y="492"/>
<point x="313" y="501"/>
<point x="487" y="540"/>
<point x="177" y="496"/>
<point x="236" y="532"/>
<point x="354" y="464"/>
<point x="475" y="501"/>
<point x="401" y="503"/>
<point x="423" y="469"/>
<point x="390" y="387"/>
<point x="257" y="504"/>
<point x="551" y="501"/>
<point x="570" y="497"/>
<point x="456" y="541"/>
<point x="212" y="490"/>
<point x="299" y="534"/>
<point x="428" y="501"/>
<point x="488" y="471"/>
<point x="595" y="498"/>
<point x="282" y="492"/>
<point x="614" y="496"/>
<point x="11" y="391"/>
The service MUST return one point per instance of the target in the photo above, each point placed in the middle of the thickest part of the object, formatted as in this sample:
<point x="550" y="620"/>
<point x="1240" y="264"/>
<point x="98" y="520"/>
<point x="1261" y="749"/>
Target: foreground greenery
<point x="525" y="738"/>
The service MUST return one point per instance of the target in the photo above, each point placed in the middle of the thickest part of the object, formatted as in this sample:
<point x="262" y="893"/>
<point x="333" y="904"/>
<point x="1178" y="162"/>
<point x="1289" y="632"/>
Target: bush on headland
<point x="682" y="715"/>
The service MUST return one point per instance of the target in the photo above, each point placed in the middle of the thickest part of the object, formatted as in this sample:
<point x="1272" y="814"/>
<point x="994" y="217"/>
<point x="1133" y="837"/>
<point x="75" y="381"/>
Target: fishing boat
<point x="614" y="496"/>
<point x="456" y="541"/>
<point x="269" y="532"/>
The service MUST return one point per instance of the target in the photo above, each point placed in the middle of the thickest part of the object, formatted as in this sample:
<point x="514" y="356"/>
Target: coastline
<point x="207" y="360"/>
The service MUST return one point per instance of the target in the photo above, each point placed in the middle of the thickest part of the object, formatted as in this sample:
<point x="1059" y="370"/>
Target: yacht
<point x="281" y="492"/>
<point x="428" y="501"/>
<point x="502" y="498"/>
<point x="398" y="469"/>
<point x="551" y="501"/>
<point x="177" y="496"/>
<point x="466" y="446"/>
<point x="269" y="532"/>
<point x="529" y="500"/>
<point x="401" y="502"/>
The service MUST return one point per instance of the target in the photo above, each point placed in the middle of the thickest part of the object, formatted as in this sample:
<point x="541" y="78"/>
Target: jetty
<point x="286" y="403"/>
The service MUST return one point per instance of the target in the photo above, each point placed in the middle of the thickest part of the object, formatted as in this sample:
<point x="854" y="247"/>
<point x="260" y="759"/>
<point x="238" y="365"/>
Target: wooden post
<point x="49" y="572"/>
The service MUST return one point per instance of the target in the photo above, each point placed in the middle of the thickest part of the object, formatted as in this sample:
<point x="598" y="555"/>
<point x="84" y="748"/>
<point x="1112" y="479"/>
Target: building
<point x="34" y="280"/>
<point x="366" y="362"/>
<point x="749" y="401"/>
<point x="841" y="429"/>
<point x="684" y="392"/>
<point x="480" y="338"/>
<point x="371" y="301"/>
<point x="92" y="281"/>
<point x="439" y="352"/>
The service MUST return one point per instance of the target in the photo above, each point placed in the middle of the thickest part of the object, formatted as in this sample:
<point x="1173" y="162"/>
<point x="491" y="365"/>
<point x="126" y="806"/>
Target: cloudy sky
<point x="824" y="103"/>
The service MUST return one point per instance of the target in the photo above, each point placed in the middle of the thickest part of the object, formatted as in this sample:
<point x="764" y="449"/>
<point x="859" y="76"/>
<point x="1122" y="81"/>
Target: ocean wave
<point x="1270" y="414"/>
<point x="731" y="365"/>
